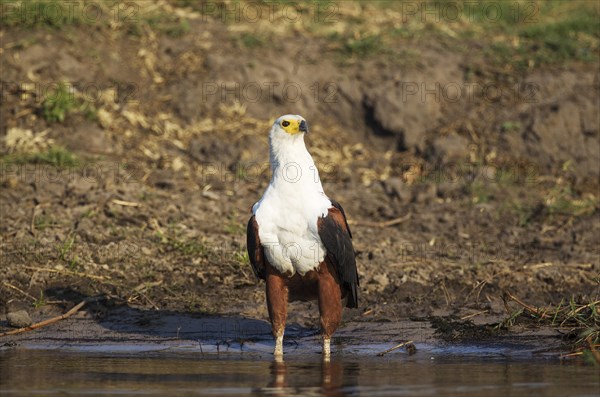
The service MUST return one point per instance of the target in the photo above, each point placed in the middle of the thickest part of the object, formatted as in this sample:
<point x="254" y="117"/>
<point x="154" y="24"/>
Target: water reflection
<point x="337" y="378"/>
<point x="38" y="372"/>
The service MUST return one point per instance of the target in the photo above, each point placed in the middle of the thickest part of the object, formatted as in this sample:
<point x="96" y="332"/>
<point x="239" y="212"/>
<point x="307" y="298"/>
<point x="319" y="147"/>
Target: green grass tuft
<point x="242" y="257"/>
<point x="362" y="47"/>
<point x="562" y="201"/>
<point x="581" y="317"/>
<point x="61" y="102"/>
<point x="169" y="25"/>
<point x="41" y="301"/>
<point x="481" y="193"/>
<point x="188" y="247"/>
<point x="249" y="40"/>
<point x="55" y="156"/>
<point x="58" y="104"/>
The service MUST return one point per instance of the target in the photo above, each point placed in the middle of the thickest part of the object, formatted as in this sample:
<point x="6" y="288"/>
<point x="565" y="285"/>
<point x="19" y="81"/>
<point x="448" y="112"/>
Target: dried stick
<point x="585" y="306"/>
<point x="474" y="314"/>
<point x="32" y="222"/>
<point x="569" y="355"/>
<point x="126" y="203"/>
<point x="394" y="348"/>
<point x="6" y="284"/>
<point x="391" y="222"/>
<point x="32" y="229"/>
<point x="593" y="349"/>
<point x="66" y="272"/>
<point x="526" y="306"/>
<point x="52" y="320"/>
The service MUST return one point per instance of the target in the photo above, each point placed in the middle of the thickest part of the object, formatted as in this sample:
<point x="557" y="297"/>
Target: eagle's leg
<point x="326" y="347"/>
<point x="277" y="299"/>
<point x="330" y="306"/>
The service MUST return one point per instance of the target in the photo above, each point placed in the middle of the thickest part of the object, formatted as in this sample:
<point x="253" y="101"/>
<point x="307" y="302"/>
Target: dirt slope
<point x="162" y="150"/>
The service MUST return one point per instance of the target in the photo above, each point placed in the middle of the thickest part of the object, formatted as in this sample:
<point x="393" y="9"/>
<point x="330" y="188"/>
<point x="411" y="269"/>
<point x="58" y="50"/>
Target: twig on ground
<point x="142" y="287"/>
<point x="595" y="352"/>
<point x="581" y="351"/>
<point x="526" y="306"/>
<point x="33" y="214"/>
<point x="391" y="222"/>
<point x="447" y="296"/>
<point x="66" y="272"/>
<point x="53" y="320"/>
<point x="474" y="314"/>
<point x="479" y="286"/>
<point x="585" y="306"/>
<point x="6" y="284"/>
<point x="381" y="354"/>
<point x="126" y="203"/>
<point x="571" y="355"/>
<point x="32" y="222"/>
<point x="132" y="299"/>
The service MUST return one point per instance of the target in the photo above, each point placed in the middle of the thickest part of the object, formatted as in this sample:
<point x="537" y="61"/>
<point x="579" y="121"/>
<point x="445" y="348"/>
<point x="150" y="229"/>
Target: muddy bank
<point x="129" y="330"/>
<point x="142" y="192"/>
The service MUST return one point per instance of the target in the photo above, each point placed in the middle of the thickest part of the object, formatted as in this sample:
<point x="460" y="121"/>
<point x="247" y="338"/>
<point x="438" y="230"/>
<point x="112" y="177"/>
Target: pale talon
<point x="278" y="347"/>
<point x="326" y="348"/>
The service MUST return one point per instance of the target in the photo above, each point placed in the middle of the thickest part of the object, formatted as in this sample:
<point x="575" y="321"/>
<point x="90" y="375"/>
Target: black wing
<point x="255" y="250"/>
<point x="339" y="207"/>
<point x="335" y="235"/>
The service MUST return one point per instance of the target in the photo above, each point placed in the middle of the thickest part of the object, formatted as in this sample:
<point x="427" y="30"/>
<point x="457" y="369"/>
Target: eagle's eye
<point x="285" y="123"/>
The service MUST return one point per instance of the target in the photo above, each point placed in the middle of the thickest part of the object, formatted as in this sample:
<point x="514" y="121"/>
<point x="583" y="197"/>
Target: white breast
<point x="287" y="214"/>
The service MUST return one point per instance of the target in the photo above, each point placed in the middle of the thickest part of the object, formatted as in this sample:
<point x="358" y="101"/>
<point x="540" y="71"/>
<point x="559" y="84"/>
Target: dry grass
<point x="581" y="319"/>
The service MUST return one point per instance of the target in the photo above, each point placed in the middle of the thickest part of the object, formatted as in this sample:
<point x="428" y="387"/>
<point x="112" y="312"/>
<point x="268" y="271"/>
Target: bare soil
<point x="104" y="328"/>
<point x="488" y="195"/>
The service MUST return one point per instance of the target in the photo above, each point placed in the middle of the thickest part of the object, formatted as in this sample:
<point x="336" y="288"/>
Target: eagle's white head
<point x="288" y="125"/>
<point x="286" y="140"/>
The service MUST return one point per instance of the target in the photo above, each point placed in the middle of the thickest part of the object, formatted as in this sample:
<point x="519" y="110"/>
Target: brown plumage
<point x="335" y="278"/>
<point x="295" y="212"/>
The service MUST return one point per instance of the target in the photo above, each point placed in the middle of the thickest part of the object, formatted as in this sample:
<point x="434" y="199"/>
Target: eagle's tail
<point x="352" y="301"/>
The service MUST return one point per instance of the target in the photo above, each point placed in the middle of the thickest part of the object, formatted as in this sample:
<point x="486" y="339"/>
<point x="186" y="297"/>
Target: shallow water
<point x="36" y="372"/>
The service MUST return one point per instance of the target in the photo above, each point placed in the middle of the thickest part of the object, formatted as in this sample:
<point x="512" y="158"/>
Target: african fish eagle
<point x="299" y="241"/>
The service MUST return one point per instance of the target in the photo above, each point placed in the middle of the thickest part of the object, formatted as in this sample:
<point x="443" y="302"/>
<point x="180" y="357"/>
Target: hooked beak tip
<point x="304" y="126"/>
